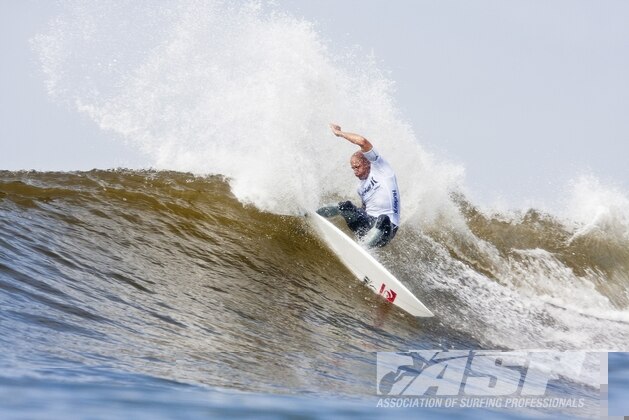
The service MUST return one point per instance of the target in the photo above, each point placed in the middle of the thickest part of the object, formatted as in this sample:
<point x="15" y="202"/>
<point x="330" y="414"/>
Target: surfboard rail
<point x="366" y="268"/>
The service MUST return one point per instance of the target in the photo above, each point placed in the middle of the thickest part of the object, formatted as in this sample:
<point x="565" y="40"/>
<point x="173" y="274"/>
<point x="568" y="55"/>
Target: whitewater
<point x="198" y="268"/>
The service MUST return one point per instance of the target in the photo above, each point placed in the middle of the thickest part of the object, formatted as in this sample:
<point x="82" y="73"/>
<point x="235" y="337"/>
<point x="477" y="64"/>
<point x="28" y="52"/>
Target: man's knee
<point x="346" y="206"/>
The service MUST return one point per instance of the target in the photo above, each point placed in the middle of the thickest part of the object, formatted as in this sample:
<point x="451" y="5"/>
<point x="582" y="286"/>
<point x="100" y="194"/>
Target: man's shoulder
<point x="382" y="165"/>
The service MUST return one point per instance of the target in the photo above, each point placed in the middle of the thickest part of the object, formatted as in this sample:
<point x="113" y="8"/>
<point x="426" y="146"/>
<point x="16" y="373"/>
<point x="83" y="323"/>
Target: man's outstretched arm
<point x="357" y="139"/>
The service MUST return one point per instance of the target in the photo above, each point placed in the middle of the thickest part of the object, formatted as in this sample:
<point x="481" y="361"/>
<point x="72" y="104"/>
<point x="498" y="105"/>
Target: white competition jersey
<point x="379" y="192"/>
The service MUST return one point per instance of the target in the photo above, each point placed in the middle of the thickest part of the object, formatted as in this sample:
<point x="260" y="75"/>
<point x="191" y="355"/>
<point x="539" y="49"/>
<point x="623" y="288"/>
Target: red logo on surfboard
<point x="389" y="294"/>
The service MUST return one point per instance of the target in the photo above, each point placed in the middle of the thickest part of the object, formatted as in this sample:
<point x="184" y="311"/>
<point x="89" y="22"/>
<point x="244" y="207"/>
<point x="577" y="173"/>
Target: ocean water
<point x="123" y="286"/>
<point x="192" y="286"/>
<point x="618" y="381"/>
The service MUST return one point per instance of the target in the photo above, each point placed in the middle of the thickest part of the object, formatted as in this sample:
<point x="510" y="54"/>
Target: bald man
<point x="377" y="221"/>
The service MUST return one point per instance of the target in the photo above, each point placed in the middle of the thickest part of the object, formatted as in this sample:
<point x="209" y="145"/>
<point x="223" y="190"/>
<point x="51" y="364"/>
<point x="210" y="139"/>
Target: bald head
<point x="360" y="165"/>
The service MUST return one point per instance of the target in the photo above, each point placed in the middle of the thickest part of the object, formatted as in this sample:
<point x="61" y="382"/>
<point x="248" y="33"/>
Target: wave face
<point x="155" y="270"/>
<point x="175" y="258"/>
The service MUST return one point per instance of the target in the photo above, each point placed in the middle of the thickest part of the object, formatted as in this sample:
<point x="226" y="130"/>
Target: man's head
<point x="360" y="165"/>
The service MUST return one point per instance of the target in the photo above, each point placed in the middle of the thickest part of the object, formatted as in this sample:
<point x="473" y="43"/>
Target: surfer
<point x="376" y="221"/>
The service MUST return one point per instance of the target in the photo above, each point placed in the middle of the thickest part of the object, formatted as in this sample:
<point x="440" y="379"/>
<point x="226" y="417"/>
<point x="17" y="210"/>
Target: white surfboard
<point x="367" y="269"/>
